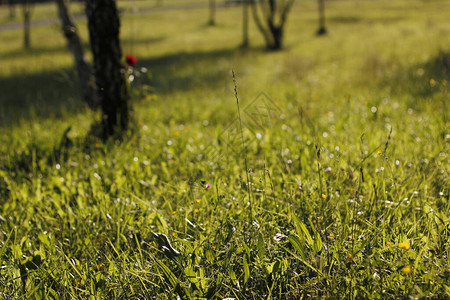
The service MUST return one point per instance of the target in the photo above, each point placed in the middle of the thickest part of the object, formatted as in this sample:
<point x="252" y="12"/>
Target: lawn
<point x="327" y="179"/>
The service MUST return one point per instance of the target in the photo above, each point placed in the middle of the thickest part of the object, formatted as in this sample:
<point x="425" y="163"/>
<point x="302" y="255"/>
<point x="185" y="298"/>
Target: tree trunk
<point x="272" y="21"/>
<point x="75" y="46"/>
<point x="277" y="34"/>
<point x="26" y="10"/>
<point x="245" y="40"/>
<point x="322" y="29"/>
<point x="212" y="12"/>
<point x="103" y="22"/>
<point x="12" y="9"/>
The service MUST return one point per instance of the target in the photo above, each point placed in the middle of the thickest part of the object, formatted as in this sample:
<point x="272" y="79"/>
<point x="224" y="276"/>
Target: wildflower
<point x="432" y="82"/>
<point x="279" y="236"/>
<point x="407" y="269"/>
<point x="198" y="200"/>
<point x="207" y="185"/>
<point x="349" y="257"/>
<point x="324" y="196"/>
<point x="174" y="213"/>
<point x="174" y="234"/>
<point x="131" y="60"/>
<point x="299" y="188"/>
<point x="331" y="236"/>
<point x="98" y="267"/>
<point x="196" y="211"/>
<point x="378" y="152"/>
<point x="405" y="245"/>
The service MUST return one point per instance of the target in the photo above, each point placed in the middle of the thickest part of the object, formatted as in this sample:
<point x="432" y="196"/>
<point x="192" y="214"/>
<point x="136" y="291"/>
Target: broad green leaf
<point x="261" y="246"/>
<point x="232" y="276"/>
<point x="246" y="269"/>
<point x="317" y="243"/>
<point x="173" y="280"/>
<point x="297" y="244"/>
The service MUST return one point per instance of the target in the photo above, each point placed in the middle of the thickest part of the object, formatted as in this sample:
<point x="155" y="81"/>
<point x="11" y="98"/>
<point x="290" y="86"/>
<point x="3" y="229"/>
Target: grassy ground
<point x="341" y="191"/>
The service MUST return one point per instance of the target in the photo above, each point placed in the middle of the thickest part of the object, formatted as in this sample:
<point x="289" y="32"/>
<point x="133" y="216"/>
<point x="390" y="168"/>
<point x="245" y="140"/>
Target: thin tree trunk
<point x="212" y="12"/>
<point x="322" y="29"/>
<point x="75" y="46"/>
<point x="259" y="23"/>
<point x="245" y="40"/>
<point x="12" y="9"/>
<point x="104" y="24"/>
<point x="26" y="10"/>
<point x="271" y="23"/>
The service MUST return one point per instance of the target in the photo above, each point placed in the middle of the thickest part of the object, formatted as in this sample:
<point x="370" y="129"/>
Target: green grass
<point x="360" y="124"/>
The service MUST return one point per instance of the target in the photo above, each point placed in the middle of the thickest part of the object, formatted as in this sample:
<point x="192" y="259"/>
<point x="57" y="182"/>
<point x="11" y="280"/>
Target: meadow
<point x="328" y="178"/>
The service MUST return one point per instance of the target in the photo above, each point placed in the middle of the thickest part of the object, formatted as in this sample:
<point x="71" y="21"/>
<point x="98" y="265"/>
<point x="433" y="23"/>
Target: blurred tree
<point x="212" y="12"/>
<point x="270" y="17"/>
<point x="12" y="9"/>
<point x="26" y="11"/>
<point x="75" y="46"/>
<point x="322" y="29"/>
<point x="245" y="40"/>
<point x="104" y="24"/>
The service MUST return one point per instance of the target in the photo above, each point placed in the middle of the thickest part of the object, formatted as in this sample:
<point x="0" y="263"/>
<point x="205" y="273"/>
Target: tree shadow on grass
<point x="426" y="79"/>
<point x="418" y="81"/>
<point x="56" y="93"/>
<point x="39" y="95"/>
<point x="43" y="49"/>
<point x="186" y="71"/>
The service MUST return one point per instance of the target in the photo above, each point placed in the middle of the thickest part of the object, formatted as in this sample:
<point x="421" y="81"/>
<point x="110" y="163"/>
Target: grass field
<point x="340" y="189"/>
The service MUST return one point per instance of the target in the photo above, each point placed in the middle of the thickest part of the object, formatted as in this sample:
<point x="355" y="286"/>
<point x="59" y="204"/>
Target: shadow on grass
<point x="425" y="79"/>
<point x="40" y="95"/>
<point x="186" y="71"/>
<point x="419" y="81"/>
<point x="55" y="94"/>
<point x="40" y="49"/>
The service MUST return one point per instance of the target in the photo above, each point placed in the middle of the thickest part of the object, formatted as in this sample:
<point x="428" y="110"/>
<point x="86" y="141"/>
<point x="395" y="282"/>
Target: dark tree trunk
<point x="26" y="10"/>
<point x="322" y="29"/>
<point x="277" y="34"/>
<point x="12" y="9"/>
<point x="75" y="46"/>
<point x="245" y="40"/>
<point x="103" y="21"/>
<point x="212" y="12"/>
<point x="272" y="20"/>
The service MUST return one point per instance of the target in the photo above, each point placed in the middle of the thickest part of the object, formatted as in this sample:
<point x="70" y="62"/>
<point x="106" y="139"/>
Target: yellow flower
<point x="405" y="245"/>
<point x="198" y="200"/>
<point x="174" y="234"/>
<point x="389" y="244"/>
<point x="174" y="213"/>
<point x="379" y="152"/>
<point x="324" y="196"/>
<point x="98" y="267"/>
<point x="349" y="257"/>
<point x="196" y="211"/>
<point x="432" y="82"/>
<point x="407" y="269"/>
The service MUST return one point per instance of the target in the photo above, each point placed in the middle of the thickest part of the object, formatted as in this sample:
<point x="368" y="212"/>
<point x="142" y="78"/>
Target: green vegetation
<point x="360" y="124"/>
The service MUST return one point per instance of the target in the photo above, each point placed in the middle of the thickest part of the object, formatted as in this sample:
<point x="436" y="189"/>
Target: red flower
<point x="131" y="60"/>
